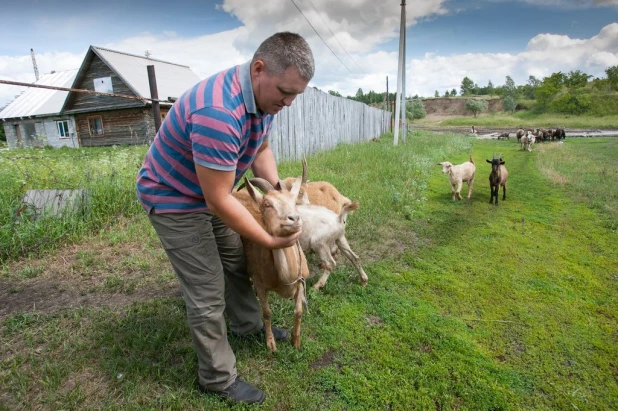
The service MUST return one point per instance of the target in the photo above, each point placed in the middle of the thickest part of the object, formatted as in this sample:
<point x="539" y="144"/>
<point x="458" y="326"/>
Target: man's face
<point x="273" y="92"/>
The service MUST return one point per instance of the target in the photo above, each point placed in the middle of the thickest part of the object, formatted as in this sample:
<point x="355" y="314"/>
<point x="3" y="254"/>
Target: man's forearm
<point x="264" y="166"/>
<point x="239" y="219"/>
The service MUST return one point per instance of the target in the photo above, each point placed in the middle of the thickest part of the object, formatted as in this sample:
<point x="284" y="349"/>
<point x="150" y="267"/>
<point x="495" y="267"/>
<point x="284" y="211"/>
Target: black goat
<point x="559" y="134"/>
<point x="497" y="178"/>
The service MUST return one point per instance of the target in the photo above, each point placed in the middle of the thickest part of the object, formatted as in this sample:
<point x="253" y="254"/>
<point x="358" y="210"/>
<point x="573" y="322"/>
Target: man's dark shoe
<point x="240" y="391"/>
<point x="279" y="333"/>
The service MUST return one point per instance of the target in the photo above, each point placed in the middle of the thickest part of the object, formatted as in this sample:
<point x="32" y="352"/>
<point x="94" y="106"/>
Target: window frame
<point x="100" y="118"/>
<point x="67" y="133"/>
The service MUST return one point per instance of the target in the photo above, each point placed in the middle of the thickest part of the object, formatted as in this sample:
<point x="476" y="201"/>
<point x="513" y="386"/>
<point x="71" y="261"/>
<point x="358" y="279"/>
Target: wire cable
<point x="316" y="32"/>
<point x="335" y="37"/>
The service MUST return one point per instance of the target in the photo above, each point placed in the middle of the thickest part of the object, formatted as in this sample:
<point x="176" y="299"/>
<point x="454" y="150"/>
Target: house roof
<point x="172" y="79"/>
<point x="39" y="101"/>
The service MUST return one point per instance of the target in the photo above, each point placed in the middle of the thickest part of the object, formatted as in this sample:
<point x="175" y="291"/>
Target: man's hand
<point x="284" y="242"/>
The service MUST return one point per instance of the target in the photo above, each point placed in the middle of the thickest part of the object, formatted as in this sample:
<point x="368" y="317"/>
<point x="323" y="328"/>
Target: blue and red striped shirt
<point x="215" y="124"/>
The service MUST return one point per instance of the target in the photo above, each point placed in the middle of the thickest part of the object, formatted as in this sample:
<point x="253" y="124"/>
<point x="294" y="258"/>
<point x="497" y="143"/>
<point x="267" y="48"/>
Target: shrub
<point x="476" y="106"/>
<point x="571" y="103"/>
<point x="509" y="104"/>
<point x="415" y="109"/>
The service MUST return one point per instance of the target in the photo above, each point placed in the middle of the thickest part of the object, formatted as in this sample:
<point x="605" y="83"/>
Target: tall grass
<point x="106" y="174"/>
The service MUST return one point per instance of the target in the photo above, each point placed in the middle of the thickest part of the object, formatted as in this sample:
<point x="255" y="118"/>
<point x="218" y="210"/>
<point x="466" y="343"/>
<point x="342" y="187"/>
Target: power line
<point x="335" y="37"/>
<point x="316" y="32"/>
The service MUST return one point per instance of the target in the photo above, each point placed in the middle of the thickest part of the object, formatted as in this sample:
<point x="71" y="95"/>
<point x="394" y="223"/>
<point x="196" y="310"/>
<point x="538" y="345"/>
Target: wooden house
<point x="103" y="120"/>
<point x="33" y="118"/>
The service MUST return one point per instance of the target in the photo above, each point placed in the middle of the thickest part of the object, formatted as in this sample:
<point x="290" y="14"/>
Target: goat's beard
<point x="286" y="230"/>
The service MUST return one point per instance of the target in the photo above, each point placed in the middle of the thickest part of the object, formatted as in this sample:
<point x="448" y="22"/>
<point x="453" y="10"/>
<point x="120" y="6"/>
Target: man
<point x="213" y="133"/>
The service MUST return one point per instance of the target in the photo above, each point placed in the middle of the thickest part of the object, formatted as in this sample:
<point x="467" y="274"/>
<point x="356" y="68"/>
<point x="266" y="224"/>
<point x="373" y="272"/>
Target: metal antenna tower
<point x="36" y="69"/>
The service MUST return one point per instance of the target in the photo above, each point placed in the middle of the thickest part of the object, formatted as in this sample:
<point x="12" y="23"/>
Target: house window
<point x="103" y="85"/>
<point x="63" y="128"/>
<point x="95" y="125"/>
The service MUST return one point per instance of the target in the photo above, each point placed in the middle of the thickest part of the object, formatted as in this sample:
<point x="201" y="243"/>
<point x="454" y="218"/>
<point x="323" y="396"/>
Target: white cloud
<point x="544" y="55"/>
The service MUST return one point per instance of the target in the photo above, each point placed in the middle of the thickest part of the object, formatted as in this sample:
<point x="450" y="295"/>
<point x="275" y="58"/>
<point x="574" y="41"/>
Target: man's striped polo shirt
<point x="215" y="124"/>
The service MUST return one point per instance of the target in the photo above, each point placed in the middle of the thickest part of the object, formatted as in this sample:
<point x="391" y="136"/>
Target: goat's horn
<point x="262" y="184"/>
<point x="304" y="178"/>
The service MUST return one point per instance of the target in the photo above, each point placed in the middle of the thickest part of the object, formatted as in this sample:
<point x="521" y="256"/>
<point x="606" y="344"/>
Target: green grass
<point x="468" y="306"/>
<point x="528" y="119"/>
<point x="106" y="174"/>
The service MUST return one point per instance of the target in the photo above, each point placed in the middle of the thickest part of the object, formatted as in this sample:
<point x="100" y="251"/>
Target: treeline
<point x="574" y="92"/>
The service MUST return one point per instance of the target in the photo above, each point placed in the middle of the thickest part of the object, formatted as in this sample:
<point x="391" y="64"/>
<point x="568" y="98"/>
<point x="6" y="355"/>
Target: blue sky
<point x="447" y="39"/>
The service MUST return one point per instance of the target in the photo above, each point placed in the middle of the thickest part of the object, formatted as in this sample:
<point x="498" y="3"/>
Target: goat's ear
<point x="489" y="161"/>
<point x="253" y="192"/>
<point x="502" y="162"/>
<point x="439" y="164"/>
<point x="296" y="187"/>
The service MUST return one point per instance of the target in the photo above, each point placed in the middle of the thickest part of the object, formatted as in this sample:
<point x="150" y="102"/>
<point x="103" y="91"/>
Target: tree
<point x="476" y="106"/>
<point x="2" y="135"/>
<point x="467" y="86"/>
<point x="415" y="109"/>
<point x="548" y="89"/>
<point x="612" y="76"/>
<point x="453" y="92"/>
<point x="576" y="79"/>
<point x="490" y="88"/>
<point x="509" y="104"/>
<point x="359" y="94"/>
<point x="436" y="94"/>
<point x="334" y="93"/>
<point x="447" y="93"/>
<point x="509" y="88"/>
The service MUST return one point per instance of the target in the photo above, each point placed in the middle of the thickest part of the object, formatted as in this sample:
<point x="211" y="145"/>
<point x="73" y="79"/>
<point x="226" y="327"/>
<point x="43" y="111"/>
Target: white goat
<point x="527" y="141"/>
<point x="324" y="230"/>
<point x="458" y="174"/>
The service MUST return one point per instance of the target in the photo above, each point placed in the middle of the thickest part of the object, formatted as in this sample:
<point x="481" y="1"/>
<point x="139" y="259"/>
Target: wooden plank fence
<point x="318" y="121"/>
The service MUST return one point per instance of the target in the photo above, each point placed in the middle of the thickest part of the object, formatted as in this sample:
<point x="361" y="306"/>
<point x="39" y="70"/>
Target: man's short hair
<point x="285" y="49"/>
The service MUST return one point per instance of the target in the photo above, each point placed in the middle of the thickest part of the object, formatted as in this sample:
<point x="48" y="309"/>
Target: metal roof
<point x="39" y="101"/>
<point x="172" y="79"/>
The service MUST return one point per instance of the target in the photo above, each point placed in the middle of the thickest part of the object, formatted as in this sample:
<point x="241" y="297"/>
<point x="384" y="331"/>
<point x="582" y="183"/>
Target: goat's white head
<point x="446" y="167"/>
<point x="277" y="206"/>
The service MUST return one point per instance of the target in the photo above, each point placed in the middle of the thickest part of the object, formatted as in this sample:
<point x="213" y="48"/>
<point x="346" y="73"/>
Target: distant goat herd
<point x="527" y="137"/>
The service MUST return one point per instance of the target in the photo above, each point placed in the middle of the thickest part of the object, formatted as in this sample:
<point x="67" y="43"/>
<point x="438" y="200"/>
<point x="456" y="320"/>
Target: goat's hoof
<point x="363" y="283"/>
<point x="318" y="287"/>
<point x="272" y="346"/>
<point x="296" y="342"/>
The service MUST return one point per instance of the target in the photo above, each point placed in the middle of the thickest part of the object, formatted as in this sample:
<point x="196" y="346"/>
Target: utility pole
<point x="400" y="72"/>
<point x="154" y="93"/>
<point x="404" y="111"/>
<point x="36" y="69"/>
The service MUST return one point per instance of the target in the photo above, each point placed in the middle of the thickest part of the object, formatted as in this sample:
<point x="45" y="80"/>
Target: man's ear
<point x="259" y="67"/>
